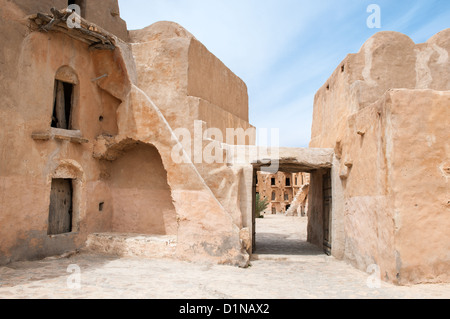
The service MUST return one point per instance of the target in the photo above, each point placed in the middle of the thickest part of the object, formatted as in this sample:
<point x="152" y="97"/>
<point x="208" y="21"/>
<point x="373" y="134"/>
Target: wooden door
<point x="60" y="215"/>
<point x="327" y="197"/>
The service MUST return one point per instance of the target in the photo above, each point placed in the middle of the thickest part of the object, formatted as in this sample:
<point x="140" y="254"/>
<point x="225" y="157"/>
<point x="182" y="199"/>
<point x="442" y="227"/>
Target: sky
<point x="285" y="50"/>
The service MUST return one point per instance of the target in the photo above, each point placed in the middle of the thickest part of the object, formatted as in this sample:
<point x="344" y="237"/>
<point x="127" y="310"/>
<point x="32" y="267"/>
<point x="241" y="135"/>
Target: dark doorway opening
<point x="61" y="210"/>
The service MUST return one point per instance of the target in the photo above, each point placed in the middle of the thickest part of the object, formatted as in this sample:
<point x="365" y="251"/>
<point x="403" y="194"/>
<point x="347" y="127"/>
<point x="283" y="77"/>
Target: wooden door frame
<point x="327" y="211"/>
<point x="254" y="179"/>
<point x="55" y="214"/>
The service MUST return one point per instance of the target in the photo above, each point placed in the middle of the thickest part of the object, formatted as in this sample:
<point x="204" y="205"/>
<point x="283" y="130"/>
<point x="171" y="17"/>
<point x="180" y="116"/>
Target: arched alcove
<point x="141" y="195"/>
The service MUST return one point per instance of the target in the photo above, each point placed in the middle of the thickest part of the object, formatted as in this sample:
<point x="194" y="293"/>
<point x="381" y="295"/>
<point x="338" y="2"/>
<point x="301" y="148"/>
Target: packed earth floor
<point x="284" y="266"/>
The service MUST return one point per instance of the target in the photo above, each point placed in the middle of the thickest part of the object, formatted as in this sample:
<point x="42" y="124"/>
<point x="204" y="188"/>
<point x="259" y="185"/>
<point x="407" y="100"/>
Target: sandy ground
<point x="285" y="267"/>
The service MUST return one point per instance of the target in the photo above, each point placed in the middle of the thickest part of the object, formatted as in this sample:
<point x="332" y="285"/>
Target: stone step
<point x="132" y="245"/>
<point x="291" y="258"/>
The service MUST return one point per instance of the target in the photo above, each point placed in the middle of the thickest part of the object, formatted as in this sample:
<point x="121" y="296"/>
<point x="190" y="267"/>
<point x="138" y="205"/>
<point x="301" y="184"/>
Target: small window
<point x="296" y="181"/>
<point x="274" y="196"/>
<point x="60" y="214"/>
<point x="81" y="4"/>
<point x="288" y="182"/>
<point x="286" y="197"/>
<point x="273" y="182"/>
<point x="62" y="106"/>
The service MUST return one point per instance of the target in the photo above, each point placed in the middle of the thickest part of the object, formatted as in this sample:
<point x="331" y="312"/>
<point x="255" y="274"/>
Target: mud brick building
<point x="88" y="116"/>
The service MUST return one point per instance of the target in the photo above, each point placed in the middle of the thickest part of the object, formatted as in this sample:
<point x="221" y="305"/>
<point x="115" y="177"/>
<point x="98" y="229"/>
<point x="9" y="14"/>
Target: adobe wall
<point x="365" y="179"/>
<point x="141" y="196"/>
<point x="210" y="80"/>
<point x="104" y="13"/>
<point x="387" y="60"/>
<point x="208" y="226"/>
<point x="174" y="62"/>
<point x="112" y="114"/>
<point x="186" y="83"/>
<point x="420" y="172"/>
<point x="29" y="64"/>
<point x="384" y="112"/>
<point x="396" y="190"/>
<point x="28" y="7"/>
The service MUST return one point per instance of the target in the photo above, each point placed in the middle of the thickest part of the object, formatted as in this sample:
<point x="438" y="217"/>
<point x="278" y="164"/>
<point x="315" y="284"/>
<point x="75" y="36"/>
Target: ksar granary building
<point x="284" y="192"/>
<point x="88" y="118"/>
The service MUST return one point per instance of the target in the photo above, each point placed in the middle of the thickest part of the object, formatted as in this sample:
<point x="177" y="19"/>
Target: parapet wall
<point x="388" y="60"/>
<point x="183" y="77"/>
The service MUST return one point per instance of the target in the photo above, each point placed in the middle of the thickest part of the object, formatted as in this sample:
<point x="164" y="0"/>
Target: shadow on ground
<point x="284" y="235"/>
<point x="282" y="244"/>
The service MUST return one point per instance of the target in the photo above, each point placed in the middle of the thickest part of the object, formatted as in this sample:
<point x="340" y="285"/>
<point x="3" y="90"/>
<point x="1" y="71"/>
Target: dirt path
<point x="288" y="268"/>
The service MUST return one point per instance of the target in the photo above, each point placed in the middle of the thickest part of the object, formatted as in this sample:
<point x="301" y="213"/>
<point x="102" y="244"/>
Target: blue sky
<point x="286" y="50"/>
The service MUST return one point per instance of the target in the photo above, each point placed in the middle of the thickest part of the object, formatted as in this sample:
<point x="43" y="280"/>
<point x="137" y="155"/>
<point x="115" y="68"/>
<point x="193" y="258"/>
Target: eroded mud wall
<point x="141" y="196"/>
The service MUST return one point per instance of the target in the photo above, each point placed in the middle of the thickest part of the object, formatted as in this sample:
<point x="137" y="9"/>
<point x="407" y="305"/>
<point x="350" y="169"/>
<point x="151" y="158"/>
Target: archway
<point x="142" y="198"/>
